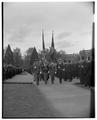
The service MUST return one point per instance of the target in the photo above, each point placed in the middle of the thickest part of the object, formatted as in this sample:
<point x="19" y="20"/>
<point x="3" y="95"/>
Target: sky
<point x="70" y="21"/>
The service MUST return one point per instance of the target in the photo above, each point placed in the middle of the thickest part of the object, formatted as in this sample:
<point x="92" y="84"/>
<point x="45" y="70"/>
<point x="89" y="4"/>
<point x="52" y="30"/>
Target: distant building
<point x="85" y="55"/>
<point x="72" y="58"/>
<point x="51" y="50"/>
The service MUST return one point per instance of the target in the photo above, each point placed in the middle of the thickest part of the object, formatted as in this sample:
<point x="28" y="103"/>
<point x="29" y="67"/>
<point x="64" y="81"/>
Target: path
<point x="69" y="99"/>
<point x="60" y="100"/>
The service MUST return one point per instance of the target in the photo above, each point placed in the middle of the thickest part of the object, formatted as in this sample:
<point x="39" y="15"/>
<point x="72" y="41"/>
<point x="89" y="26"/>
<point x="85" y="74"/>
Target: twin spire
<point x="43" y="44"/>
<point x="52" y="43"/>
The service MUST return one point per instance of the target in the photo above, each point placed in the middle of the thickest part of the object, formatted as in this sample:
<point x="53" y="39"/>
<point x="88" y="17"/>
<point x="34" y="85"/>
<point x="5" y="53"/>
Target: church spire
<point x="43" y="44"/>
<point x="52" y="44"/>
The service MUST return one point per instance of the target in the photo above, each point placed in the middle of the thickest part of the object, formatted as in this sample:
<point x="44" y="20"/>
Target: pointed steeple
<point x="52" y="49"/>
<point x="52" y="44"/>
<point x="43" y="44"/>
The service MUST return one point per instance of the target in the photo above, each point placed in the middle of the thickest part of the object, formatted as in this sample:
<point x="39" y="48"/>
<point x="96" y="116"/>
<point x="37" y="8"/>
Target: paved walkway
<point x="70" y="99"/>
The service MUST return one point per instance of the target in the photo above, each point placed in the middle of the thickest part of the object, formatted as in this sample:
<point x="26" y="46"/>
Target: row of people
<point x="82" y="71"/>
<point x="9" y="71"/>
<point x="43" y="72"/>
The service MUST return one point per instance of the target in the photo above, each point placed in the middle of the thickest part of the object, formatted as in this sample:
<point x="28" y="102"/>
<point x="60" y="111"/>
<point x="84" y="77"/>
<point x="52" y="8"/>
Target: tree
<point x="27" y="57"/>
<point x="17" y="57"/>
<point x="34" y="56"/>
<point x="3" y="57"/>
<point x="29" y="51"/>
<point x="52" y="54"/>
<point x="9" y="56"/>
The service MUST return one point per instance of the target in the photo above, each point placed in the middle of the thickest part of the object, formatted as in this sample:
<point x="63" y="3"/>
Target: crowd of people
<point x="44" y="71"/>
<point x="9" y="71"/>
<point x="47" y="71"/>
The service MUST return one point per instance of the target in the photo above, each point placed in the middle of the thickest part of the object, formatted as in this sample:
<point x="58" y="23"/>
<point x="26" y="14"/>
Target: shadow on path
<point x="24" y="101"/>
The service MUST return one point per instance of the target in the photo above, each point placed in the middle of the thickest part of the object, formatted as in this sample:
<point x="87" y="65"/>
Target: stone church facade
<point x="83" y="55"/>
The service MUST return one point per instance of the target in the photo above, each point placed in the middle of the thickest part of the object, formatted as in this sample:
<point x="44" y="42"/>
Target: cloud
<point x="64" y="44"/>
<point x="63" y="35"/>
<point x="23" y="23"/>
<point x="19" y="34"/>
<point x="86" y="33"/>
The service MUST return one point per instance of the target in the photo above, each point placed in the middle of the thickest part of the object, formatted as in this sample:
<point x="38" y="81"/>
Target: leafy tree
<point x="17" y="57"/>
<point x="52" y="54"/>
<point x="3" y="57"/>
<point x="27" y="57"/>
<point x="29" y="51"/>
<point x="27" y="61"/>
<point x="9" y="56"/>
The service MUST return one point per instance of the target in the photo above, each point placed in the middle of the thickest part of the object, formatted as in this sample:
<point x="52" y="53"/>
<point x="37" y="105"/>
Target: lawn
<point x="25" y="100"/>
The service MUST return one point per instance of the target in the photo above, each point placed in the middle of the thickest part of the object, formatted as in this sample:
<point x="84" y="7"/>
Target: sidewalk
<point x="70" y="100"/>
<point x="24" y="100"/>
<point x="58" y="100"/>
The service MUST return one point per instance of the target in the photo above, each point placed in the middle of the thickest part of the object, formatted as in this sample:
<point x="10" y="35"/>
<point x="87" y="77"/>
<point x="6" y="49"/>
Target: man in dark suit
<point x="46" y="73"/>
<point x="52" y="72"/>
<point x="59" y="72"/>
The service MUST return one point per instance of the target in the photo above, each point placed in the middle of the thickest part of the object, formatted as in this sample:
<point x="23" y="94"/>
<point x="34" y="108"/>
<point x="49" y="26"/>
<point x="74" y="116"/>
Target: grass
<point x="25" y="100"/>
